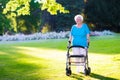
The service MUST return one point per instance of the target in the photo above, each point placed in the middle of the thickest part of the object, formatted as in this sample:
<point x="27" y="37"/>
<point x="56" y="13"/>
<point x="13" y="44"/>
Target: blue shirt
<point x="79" y="35"/>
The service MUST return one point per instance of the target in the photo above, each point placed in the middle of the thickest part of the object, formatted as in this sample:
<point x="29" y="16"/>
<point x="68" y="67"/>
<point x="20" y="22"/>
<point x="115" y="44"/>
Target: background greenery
<point x="98" y="14"/>
<point x="103" y="14"/>
<point x="45" y="60"/>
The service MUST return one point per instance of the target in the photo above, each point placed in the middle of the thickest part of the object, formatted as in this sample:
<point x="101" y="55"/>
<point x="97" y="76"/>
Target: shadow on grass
<point x="76" y="76"/>
<point x="93" y="75"/>
<point x="12" y="67"/>
<point x="100" y="77"/>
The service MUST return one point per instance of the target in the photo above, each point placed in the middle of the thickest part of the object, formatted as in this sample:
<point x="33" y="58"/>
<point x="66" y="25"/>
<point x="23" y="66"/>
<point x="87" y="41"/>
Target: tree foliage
<point x="65" y="21"/>
<point x="52" y="6"/>
<point x="4" y="22"/>
<point x="103" y="14"/>
<point x="28" y="16"/>
<point x="22" y="7"/>
<point x="17" y="7"/>
<point x="30" y="23"/>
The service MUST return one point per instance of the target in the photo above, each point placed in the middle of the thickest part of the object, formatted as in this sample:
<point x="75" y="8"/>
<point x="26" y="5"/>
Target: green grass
<point x="105" y="44"/>
<point x="45" y="60"/>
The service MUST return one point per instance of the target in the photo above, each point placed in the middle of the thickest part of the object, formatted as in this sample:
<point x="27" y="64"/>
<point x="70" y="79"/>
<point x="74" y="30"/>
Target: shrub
<point x="35" y="36"/>
<point x="48" y="35"/>
<point x="101" y="33"/>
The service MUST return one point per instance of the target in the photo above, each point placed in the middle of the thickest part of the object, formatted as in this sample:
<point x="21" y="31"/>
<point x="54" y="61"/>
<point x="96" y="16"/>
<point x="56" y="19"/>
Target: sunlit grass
<point x="45" y="60"/>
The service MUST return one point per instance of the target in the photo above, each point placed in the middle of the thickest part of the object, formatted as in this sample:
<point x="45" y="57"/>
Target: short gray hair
<point x="80" y="16"/>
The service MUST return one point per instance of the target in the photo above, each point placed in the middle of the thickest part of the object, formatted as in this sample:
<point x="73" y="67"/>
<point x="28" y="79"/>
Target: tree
<point x="65" y="21"/>
<point x="103" y="14"/>
<point x="22" y="7"/>
<point x="30" y="23"/>
<point x="4" y="22"/>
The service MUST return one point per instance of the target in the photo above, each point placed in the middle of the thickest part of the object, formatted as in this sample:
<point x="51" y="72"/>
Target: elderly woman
<point x="79" y="35"/>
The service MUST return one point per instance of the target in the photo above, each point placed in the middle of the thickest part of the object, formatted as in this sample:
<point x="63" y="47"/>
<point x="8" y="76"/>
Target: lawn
<point x="45" y="60"/>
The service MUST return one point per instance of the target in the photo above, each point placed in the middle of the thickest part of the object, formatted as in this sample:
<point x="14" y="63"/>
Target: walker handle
<point x="69" y="44"/>
<point x="88" y="44"/>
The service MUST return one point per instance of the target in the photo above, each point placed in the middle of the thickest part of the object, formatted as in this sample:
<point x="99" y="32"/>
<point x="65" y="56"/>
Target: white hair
<point x="78" y="16"/>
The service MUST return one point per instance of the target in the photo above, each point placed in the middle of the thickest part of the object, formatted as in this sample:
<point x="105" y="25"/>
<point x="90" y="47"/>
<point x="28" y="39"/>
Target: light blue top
<point x="79" y="35"/>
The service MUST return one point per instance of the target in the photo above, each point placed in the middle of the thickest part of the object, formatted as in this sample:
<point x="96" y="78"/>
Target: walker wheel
<point x="87" y="71"/>
<point x="68" y="72"/>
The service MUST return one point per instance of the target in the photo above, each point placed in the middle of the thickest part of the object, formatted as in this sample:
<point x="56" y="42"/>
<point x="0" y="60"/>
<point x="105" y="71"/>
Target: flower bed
<point x="50" y="35"/>
<point x="101" y="33"/>
<point x="35" y="36"/>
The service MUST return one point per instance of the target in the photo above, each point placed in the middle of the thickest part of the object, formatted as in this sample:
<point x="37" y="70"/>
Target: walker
<point x="83" y="62"/>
